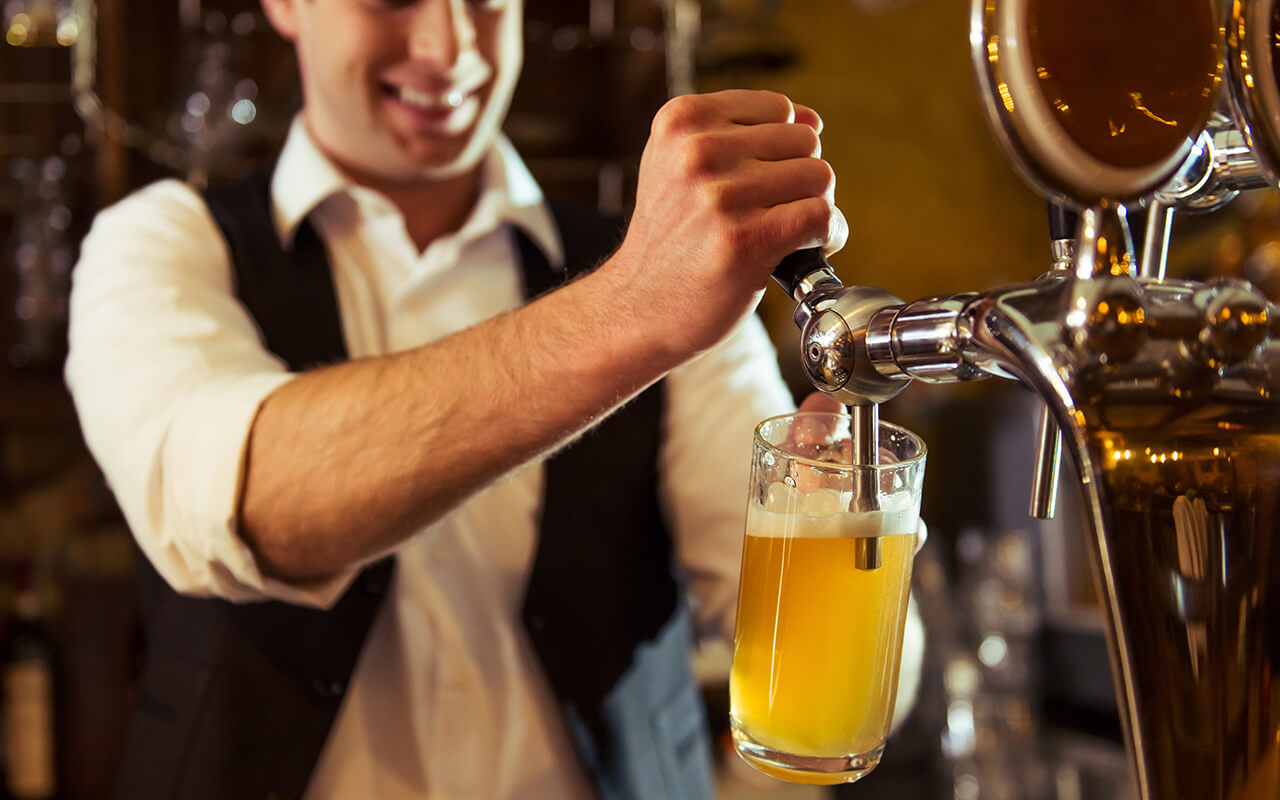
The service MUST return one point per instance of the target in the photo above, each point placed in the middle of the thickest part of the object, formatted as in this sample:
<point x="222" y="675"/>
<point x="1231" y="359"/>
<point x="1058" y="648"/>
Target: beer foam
<point x="787" y="511"/>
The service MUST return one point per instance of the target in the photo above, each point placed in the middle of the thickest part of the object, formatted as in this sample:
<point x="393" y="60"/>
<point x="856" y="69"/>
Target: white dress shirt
<point x="167" y="371"/>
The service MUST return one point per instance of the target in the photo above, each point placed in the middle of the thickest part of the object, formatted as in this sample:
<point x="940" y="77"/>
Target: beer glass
<point x="822" y="603"/>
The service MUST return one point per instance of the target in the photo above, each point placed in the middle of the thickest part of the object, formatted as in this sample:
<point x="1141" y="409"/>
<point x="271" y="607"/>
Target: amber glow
<point x="1129" y="81"/>
<point x="818" y="644"/>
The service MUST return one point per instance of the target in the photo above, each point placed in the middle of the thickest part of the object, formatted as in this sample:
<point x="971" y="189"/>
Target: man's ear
<point x="283" y="15"/>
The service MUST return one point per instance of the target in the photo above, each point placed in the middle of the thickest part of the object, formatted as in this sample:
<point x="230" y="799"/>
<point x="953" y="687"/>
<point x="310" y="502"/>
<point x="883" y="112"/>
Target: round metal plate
<point x="1096" y="99"/>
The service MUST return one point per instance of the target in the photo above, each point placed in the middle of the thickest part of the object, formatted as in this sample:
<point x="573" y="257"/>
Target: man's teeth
<point x="431" y="102"/>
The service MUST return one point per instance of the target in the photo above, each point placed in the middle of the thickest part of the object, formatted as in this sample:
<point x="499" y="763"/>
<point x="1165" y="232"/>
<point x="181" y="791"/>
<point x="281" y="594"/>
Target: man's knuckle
<point x="809" y="139"/>
<point x="779" y="103"/>
<point x="700" y="154"/>
<point x="722" y="196"/>
<point x="677" y="115"/>
<point x="813" y="218"/>
<point x="825" y="175"/>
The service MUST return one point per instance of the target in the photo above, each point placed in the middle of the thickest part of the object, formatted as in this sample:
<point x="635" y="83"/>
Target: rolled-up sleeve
<point x="167" y="371"/>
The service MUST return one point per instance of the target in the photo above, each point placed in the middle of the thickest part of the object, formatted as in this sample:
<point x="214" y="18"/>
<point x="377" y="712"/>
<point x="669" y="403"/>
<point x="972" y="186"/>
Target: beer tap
<point x="1044" y="479"/>
<point x="863" y="345"/>
<point x="833" y="321"/>
<point x="1137" y="372"/>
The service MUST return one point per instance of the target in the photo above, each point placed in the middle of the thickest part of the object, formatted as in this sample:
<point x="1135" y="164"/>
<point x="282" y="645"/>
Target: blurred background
<point x="98" y="97"/>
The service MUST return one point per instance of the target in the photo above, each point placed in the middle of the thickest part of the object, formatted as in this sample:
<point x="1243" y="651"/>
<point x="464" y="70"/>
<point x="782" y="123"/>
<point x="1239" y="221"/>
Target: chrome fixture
<point x="1166" y="392"/>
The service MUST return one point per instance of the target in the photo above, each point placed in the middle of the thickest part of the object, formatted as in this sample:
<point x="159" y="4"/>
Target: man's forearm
<point x="348" y="461"/>
<point x="345" y="462"/>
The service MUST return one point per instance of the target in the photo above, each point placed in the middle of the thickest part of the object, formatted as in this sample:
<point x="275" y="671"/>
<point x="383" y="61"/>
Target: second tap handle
<point x="799" y="272"/>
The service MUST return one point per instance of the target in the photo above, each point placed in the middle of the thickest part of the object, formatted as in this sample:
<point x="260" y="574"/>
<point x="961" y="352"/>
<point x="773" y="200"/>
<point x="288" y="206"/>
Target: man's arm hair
<point x="346" y="461"/>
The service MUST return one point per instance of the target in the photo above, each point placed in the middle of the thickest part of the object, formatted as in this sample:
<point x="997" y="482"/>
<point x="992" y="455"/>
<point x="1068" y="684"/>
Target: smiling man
<point x="435" y="479"/>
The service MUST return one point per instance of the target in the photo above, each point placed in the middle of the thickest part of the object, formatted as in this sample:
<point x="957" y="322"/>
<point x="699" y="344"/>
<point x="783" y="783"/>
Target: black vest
<point x="236" y="701"/>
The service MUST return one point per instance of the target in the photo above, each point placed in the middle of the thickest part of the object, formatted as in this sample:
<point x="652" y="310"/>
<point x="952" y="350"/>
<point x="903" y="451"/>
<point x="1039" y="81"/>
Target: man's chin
<point x="445" y="171"/>
<point x="441" y="163"/>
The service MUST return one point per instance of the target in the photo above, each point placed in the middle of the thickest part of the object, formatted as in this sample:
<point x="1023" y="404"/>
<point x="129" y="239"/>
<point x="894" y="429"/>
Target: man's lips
<point x="444" y="112"/>
<point x="439" y="102"/>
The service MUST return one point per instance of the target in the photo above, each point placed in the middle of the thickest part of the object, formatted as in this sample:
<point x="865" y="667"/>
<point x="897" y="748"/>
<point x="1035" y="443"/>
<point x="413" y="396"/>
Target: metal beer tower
<point x="1104" y="106"/>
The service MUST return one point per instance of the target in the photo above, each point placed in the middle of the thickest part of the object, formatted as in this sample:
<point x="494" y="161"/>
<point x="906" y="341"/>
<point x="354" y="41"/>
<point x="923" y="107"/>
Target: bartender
<point x="436" y="480"/>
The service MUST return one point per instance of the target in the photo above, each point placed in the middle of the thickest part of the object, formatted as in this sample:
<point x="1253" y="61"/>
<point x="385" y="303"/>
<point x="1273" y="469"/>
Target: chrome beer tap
<point x="834" y="320"/>
<point x="1079" y="340"/>
<point x="1166" y="393"/>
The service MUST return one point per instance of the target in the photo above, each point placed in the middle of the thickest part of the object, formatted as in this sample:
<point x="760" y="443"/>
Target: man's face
<point x="404" y="90"/>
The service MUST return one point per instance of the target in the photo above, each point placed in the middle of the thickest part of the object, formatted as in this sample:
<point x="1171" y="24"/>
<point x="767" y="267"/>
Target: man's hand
<point x="729" y="184"/>
<point x="821" y="402"/>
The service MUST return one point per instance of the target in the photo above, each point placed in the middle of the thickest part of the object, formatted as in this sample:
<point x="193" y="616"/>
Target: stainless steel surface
<point x="1183" y="378"/>
<point x="924" y="340"/>
<point x="814" y="281"/>
<point x="864" y="432"/>
<point x="810" y="293"/>
<point x="1155" y="241"/>
<point x="1044" y="479"/>
<point x="1047" y="468"/>
<point x="1220" y="166"/>
<point x="1236" y="165"/>
<point x="1104" y="245"/>
<point x="1164" y="392"/>
<point x="1251" y="71"/>
<point x="1064" y="254"/>
<point x="1195" y="173"/>
<point x="833" y="342"/>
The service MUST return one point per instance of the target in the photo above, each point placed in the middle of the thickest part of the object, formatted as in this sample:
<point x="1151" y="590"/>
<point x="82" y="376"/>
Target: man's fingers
<point x="811" y="436"/>
<point x="762" y="184"/>
<point x="738" y="106"/>
<point x="811" y="222"/>
<point x="747" y="107"/>
<point x="807" y="116"/>
<point x="837" y="232"/>
<point x="774" y="141"/>
<point x="821" y="401"/>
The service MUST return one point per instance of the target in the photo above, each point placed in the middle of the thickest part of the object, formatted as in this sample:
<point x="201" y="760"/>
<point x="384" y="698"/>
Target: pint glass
<point x="822" y="604"/>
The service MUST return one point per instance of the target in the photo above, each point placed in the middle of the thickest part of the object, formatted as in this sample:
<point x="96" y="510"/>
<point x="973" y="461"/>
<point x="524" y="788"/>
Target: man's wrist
<point x="630" y="324"/>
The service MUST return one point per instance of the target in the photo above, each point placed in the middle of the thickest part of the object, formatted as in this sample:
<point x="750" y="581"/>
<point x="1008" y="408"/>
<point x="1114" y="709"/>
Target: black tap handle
<point x="792" y="269"/>
<point x="1063" y="222"/>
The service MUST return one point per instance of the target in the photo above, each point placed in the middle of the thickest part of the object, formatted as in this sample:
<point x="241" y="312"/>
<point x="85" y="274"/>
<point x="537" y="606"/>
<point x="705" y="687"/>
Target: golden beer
<point x="822" y="601"/>
<point x="819" y="638"/>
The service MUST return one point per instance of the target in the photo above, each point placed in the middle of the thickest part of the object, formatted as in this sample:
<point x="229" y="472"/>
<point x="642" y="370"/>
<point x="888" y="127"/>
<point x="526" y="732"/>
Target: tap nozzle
<point x="833" y="321"/>
<point x="864" y="433"/>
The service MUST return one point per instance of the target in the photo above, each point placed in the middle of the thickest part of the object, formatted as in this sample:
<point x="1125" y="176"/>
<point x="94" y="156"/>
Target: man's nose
<point x="440" y="32"/>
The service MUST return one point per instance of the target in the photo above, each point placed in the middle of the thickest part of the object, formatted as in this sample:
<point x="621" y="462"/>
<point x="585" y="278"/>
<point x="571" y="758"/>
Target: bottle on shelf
<point x="27" y="679"/>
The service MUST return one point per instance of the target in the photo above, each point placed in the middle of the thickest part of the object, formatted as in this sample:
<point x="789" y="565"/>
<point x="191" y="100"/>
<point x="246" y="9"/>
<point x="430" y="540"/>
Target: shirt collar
<point x="305" y="178"/>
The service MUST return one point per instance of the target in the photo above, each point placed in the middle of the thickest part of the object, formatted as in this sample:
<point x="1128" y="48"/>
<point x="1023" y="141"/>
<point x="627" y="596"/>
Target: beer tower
<point x="1166" y="393"/>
